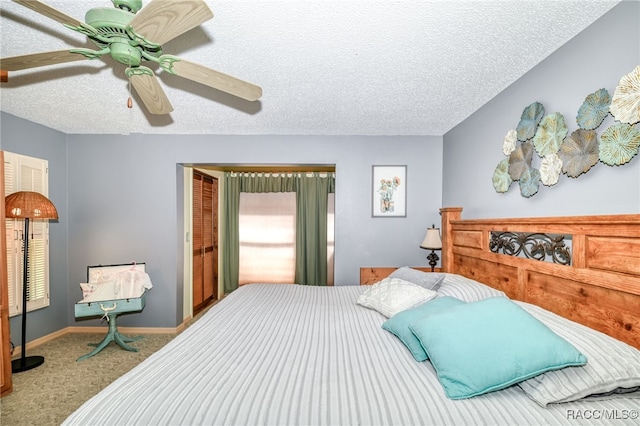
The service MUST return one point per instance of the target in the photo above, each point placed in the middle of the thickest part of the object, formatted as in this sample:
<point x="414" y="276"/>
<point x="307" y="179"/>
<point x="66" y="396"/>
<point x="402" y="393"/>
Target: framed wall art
<point x="389" y="191"/>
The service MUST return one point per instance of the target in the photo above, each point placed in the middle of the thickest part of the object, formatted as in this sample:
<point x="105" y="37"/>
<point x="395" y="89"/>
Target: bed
<point x="271" y="354"/>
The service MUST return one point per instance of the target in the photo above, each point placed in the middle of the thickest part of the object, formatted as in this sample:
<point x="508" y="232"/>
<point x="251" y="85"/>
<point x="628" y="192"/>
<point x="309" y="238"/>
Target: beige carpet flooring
<point x="47" y="394"/>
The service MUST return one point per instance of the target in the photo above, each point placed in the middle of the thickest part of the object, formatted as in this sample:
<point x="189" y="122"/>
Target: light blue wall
<point x="596" y="58"/>
<point x="124" y="200"/>
<point x="125" y="196"/>
<point x="27" y="138"/>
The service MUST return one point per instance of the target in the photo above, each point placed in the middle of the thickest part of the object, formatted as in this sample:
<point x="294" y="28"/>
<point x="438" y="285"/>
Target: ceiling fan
<point x="132" y="35"/>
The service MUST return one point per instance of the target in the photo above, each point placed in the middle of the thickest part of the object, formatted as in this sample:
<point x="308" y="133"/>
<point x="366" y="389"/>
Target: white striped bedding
<point x="272" y="354"/>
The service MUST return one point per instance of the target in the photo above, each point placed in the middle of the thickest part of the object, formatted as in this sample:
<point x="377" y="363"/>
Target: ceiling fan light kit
<point x="131" y="35"/>
<point x="132" y="6"/>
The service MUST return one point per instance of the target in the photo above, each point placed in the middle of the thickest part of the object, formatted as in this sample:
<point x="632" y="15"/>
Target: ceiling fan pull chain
<point x="129" y="100"/>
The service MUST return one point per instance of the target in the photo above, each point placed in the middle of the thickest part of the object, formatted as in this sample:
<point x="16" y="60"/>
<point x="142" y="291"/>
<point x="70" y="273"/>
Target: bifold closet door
<point x="205" y="237"/>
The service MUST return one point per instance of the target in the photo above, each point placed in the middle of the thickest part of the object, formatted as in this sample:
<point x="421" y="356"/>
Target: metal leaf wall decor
<point x="578" y="152"/>
<point x="501" y="179"/>
<point x="509" y="143"/>
<point x="529" y="121"/>
<point x="594" y="109"/>
<point x="625" y="105"/>
<point x="550" y="134"/>
<point x="550" y="169"/>
<point x="618" y="144"/>
<point x="529" y="182"/>
<point x="520" y="160"/>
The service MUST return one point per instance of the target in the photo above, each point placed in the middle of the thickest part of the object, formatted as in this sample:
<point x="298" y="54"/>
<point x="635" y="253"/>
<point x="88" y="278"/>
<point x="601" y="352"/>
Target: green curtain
<point x="266" y="182"/>
<point x="311" y="199"/>
<point x="231" y="246"/>
<point x="311" y="229"/>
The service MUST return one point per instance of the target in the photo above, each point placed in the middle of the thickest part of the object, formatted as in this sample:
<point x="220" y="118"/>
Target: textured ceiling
<point x="349" y="67"/>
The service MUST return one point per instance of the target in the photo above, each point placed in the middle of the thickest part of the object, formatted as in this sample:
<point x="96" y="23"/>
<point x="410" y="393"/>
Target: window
<point x="267" y="231"/>
<point x="267" y="237"/>
<point x="24" y="173"/>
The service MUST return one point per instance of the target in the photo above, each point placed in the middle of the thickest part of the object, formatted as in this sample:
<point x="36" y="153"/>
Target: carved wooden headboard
<point x="595" y="279"/>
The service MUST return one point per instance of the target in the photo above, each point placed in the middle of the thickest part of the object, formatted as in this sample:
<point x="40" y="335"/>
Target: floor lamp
<point x="27" y="205"/>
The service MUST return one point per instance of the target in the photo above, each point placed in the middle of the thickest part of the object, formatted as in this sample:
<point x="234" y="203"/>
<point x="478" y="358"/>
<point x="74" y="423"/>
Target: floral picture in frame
<point x="389" y="191"/>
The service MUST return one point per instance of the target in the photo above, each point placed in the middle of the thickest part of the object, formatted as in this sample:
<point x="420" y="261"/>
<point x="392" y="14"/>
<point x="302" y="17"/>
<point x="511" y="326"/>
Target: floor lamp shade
<point x="27" y="205"/>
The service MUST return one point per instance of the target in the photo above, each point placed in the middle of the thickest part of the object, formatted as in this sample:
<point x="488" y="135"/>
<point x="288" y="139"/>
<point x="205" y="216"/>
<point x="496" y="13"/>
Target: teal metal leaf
<point x="618" y="144"/>
<point x="520" y="160"/>
<point x="550" y="134"/>
<point x="529" y="121"/>
<point x="529" y="182"/>
<point x="594" y="109"/>
<point x="579" y="152"/>
<point x="501" y="179"/>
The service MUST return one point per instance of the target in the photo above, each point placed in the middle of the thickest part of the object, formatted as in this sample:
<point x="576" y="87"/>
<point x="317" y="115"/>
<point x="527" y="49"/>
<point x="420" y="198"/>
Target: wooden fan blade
<point x="22" y="62"/>
<point x="215" y="79"/>
<point x="162" y="20"/>
<point x="49" y="12"/>
<point x="146" y="84"/>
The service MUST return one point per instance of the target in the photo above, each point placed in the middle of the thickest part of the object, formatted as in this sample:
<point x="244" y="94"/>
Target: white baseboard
<point x="101" y="329"/>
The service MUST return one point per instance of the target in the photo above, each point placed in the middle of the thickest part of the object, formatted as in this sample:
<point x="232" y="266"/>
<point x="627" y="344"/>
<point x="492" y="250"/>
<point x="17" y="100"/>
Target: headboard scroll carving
<point x="536" y="246"/>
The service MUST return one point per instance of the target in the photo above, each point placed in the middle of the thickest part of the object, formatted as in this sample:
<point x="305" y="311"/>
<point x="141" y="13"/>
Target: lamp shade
<point x="432" y="239"/>
<point x="28" y="204"/>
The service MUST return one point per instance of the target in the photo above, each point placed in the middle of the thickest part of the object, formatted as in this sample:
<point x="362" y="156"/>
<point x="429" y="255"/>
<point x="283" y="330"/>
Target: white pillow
<point x="428" y="280"/>
<point x="613" y="369"/>
<point x="466" y="289"/>
<point x="393" y="295"/>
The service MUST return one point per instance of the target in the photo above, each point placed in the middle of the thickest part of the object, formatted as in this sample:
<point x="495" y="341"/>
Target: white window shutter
<point x="12" y="235"/>
<point x="13" y="252"/>
<point x="24" y="173"/>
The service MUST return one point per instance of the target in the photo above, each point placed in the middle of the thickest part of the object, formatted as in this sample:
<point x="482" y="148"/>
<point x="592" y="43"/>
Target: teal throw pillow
<point x="489" y="345"/>
<point x="400" y="322"/>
